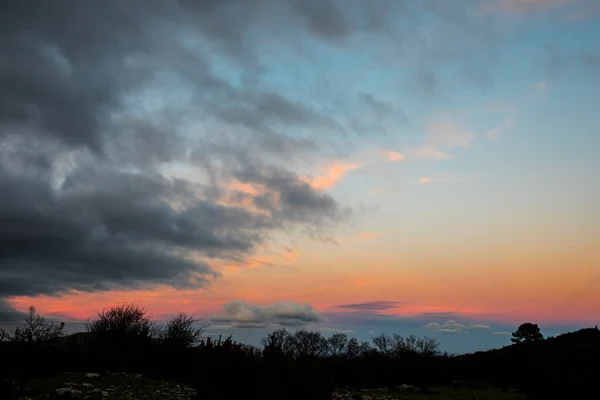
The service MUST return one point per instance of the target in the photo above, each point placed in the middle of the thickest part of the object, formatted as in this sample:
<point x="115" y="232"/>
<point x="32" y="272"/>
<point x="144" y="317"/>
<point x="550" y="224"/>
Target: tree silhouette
<point x="35" y="330"/>
<point x="527" y="332"/>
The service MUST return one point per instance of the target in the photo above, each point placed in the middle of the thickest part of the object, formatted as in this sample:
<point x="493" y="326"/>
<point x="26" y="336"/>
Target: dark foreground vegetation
<point x="293" y="365"/>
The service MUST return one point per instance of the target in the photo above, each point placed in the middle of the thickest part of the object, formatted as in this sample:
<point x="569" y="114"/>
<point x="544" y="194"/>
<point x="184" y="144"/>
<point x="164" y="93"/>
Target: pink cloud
<point x="393" y="156"/>
<point x="424" y="179"/>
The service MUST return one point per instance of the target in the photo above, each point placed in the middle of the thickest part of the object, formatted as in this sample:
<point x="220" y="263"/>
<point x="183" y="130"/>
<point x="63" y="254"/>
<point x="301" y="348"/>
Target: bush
<point x="35" y="331"/>
<point x="122" y="336"/>
<point x="128" y="319"/>
<point x="180" y="332"/>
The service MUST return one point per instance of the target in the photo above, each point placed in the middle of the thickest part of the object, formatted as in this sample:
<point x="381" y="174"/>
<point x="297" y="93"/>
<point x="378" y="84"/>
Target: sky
<point x="412" y="167"/>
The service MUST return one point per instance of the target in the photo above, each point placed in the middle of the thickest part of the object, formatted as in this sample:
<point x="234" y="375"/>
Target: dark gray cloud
<point x="99" y="227"/>
<point x="64" y="65"/>
<point x="373" y="306"/>
<point x="325" y="18"/>
<point x="122" y="122"/>
<point x="98" y="101"/>
<point x="591" y="59"/>
<point x="297" y="200"/>
<point x="8" y="314"/>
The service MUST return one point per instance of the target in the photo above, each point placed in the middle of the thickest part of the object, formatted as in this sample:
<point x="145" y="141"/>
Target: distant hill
<point x="564" y="365"/>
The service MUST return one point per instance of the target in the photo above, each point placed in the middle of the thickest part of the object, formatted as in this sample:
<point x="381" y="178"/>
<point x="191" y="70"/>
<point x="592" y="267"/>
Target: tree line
<point x="289" y="365"/>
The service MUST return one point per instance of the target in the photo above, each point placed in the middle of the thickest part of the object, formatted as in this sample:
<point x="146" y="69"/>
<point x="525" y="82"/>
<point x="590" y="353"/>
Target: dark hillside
<point x="559" y="366"/>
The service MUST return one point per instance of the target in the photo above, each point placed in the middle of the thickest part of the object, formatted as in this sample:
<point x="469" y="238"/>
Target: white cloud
<point x="449" y="330"/>
<point x="507" y="124"/>
<point x="452" y="326"/>
<point x="500" y="333"/>
<point x="480" y="326"/>
<point x="440" y="133"/>
<point x="446" y="133"/>
<point x="287" y="313"/>
<point x="433" y="325"/>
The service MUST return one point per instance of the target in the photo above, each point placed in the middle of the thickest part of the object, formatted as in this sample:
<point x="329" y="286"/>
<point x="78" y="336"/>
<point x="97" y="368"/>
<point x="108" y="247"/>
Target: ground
<point x="436" y="394"/>
<point x="121" y="386"/>
<point x="105" y="386"/>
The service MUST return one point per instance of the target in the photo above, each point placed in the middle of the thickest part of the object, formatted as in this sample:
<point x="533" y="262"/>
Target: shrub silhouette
<point x="36" y="330"/>
<point x="128" y="319"/>
<point x="180" y="332"/>
<point x="527" y="332"/>
<point x="122" y="335"/>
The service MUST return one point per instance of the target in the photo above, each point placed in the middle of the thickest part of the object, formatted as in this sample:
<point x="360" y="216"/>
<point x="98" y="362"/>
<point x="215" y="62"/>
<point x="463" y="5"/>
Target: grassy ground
<point x="106" y="387"/>
<point x="119" y="386"/>
<point x="436" y="394"/>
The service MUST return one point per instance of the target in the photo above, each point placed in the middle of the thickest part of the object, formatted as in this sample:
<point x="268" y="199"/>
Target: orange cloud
<point x="334" y="173"/>
<point x="393" y="156"/>
<point x="424" y="179"/>
<point x="253" y="189"/>
<point x="291" y="255"/>
<point x="368" y="235"/>
<point x="241" y="194"/>
<point x="255" y="262"/>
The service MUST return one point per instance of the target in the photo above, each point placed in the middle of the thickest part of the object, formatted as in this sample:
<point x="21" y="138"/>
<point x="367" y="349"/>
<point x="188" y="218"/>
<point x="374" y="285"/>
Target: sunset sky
<point x="426" y="167"/>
